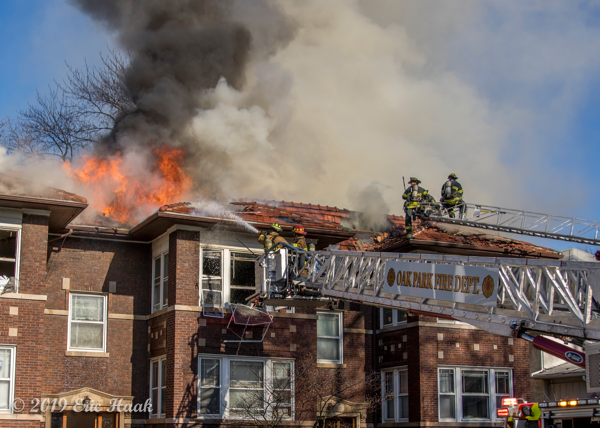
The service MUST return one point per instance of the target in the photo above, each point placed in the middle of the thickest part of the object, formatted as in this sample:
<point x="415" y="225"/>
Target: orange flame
<point x="131" y="194"/>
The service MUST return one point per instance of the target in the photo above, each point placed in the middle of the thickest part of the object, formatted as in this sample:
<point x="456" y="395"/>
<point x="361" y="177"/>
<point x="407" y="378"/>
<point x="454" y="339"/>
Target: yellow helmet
<point x="276" y="227"/>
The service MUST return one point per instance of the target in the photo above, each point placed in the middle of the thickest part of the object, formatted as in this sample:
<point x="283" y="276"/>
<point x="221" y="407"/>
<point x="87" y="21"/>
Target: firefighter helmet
<point x="453" y="176"/>
<point x="415" y="179"/>
<point x="276" y="227"/>
<point x="299" y="230"/>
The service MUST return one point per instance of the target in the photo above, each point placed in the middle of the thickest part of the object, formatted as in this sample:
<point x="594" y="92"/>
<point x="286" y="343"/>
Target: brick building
<point x="92" y="315"/>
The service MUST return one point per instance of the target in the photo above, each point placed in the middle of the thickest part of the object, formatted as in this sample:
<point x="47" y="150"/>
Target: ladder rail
<point x="545" y="224"/>
<point x="548" y="295"/>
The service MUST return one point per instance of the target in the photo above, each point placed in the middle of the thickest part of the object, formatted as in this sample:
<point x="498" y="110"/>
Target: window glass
<point x="165" y="279"/>
<point x="210" y="383"/>
<point x="329" y="341"/>
<point x="154" y="384"/>
<point x="156" y="286"/>
<point x="87" y="308"/>
<point x="210" y="372"/>
<point x="475" y="407"/>
<point x="211" y="263"/>
<point x="246" y="387"/>
<point x="328" y="349"/>
<point x="5" y="363"/>
<point x="475" y="382"/>
<point x="328" y="325"/>
<point x="502" y="387"/>
<point x="8" y="244"/>
<point x="403" y="407"/>
<point x="389" y="395"/>
<point x="502" y="383"/>
<point x="282" y="388"/>
<point x="242" y="277"/>
<point x="87" y="322"/>
<point x="246" y="374"/>
<point x="447" y="381"/>
<point x="163" y="386"/>
<point x="5" y="378"/>
<point x="447" y="406"/>
<point x="388" y="316"/>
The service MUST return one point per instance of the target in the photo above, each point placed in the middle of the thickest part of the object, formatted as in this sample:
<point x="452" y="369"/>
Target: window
<point x="329" y="337"/>
<point x="9" y="259"/>
<point x="160" y="282"/>
<point x="87" y="322"/>
<point x="228" y="276"/>
<point x="210" y="386"/>
<point x="392" y="317"/>
<point x="238" y="388"/>
<point x="395" y="395"/>
<point x="241" y="278"/>
<point x="246" y="387"/>
<point x="7" y="378"/>
<point x="158" y="373"/>
<point x="472" y="393"/>
<point x="282" y="388"/>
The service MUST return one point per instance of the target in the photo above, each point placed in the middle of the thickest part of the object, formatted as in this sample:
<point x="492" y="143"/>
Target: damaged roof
<point x="429" y="236"/>
<point x="322" y="223"/>
<point x="20" y="194"/>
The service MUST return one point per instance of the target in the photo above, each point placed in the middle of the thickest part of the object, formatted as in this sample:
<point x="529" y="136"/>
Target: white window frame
<point x="395" y="320"/>
<point x="224" y="275"/>
<point x="458" y="394"/>
<point x="11" y="378"/>
<point x="163" y="284"/>
<point x="226" y="257"/>
<point x="158" y="360"/>
<point x="104" y="321"/>
<point x="396" y="394"/>
<point x="340" y="338"/>
<point x="225" y="377"/>
<point x="17" y="258"/>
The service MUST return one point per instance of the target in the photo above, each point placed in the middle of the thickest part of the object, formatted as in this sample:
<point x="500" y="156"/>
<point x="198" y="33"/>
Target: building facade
<point x="98" y="322"/>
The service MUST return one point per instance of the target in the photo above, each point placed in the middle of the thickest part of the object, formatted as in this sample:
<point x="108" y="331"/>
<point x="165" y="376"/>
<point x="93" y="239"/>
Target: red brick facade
<point x="91" y="262"/>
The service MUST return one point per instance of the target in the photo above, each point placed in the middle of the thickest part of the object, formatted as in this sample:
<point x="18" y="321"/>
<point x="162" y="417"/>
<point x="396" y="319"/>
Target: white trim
<point x="340" y="337"/>
<point x="163" y="283"/>
<point x="458" y="394"/>
<point x="396" y="394"/>
<point x="11" y="378"/>
<point x="18" y="231"/>
<point x="225" y="378"/>
<point x="158" y="360"/>
<point x="11" y="217"/>
<point x="104" y="321"/>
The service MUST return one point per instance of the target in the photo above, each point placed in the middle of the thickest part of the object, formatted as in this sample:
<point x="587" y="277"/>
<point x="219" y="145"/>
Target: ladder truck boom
<point x="508" y="220"/>
<point x="531" y="297"/>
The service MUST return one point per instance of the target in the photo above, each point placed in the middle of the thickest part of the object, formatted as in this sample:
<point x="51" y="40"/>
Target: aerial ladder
<point x="527" y="223"/>
<point x="524" y="298"/>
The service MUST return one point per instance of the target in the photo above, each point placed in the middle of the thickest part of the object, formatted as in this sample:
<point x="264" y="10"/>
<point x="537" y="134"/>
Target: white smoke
<point x="373" y="90"/>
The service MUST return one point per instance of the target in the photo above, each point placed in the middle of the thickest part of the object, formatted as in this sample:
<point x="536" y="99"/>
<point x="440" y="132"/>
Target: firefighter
<point x="413" y="196"/>
<point x="272" y="237"/>
<point x="299" y="240"/>
<point x="452" y="195"/>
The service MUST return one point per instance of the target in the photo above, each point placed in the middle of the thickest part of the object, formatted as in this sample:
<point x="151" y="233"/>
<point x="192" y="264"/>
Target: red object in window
<point x="502" y="413"/>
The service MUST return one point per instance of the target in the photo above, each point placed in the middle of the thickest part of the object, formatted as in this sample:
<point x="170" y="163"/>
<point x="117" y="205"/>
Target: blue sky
<point x="534" y="65"/>
<point x="38" y="39"/>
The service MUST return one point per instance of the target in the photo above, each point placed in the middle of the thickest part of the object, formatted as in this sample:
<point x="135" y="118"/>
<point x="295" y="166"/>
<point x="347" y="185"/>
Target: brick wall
<point x="426" y="351"/>
<point x="184" y="267"/>
<point x="21" y="319"/>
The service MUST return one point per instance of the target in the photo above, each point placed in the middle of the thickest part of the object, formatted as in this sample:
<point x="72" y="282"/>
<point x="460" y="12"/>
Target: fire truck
<point x="533" y="300"/>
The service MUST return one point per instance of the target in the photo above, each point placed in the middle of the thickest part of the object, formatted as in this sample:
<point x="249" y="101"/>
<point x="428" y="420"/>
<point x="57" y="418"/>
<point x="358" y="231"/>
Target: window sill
<point x="331" y="365"/>
<point x="87" y="354"/>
